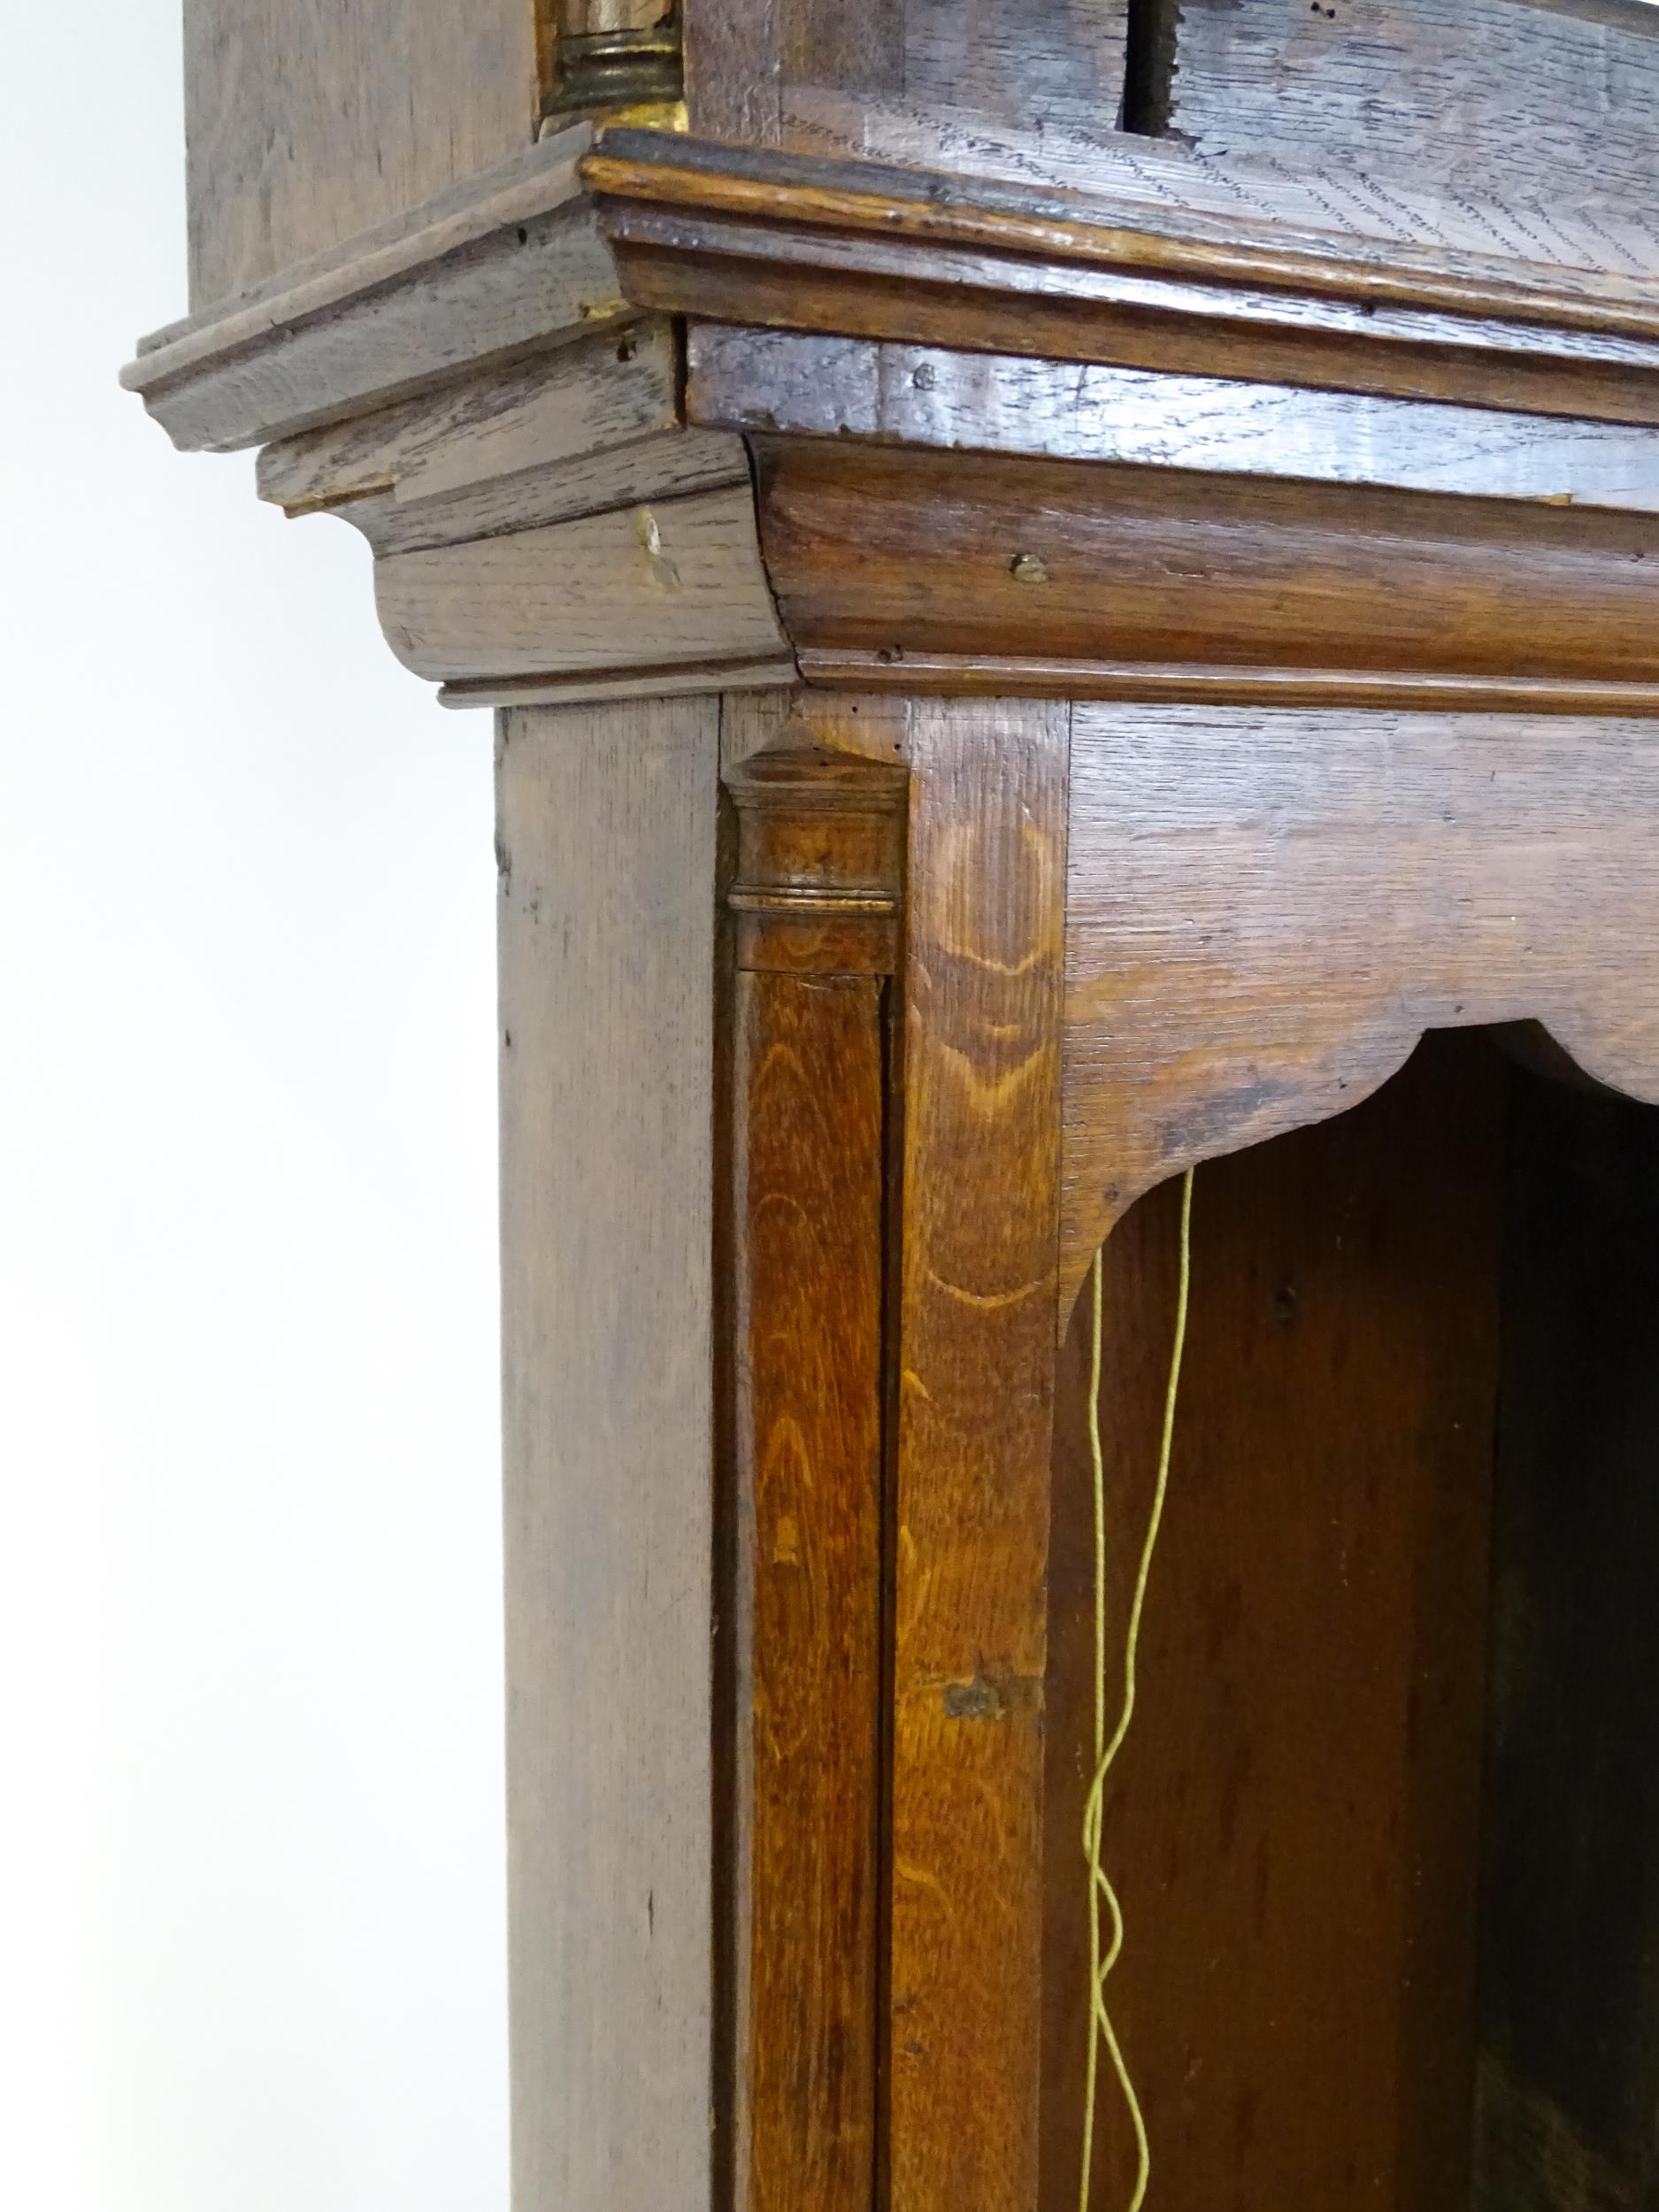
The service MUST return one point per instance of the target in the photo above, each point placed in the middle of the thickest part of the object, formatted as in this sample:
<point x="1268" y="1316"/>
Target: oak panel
<point x="304" y="125"/>
<point x="1267" y="909"/>
<point x="810" y="1170"/>
<point x="801" y="383"/>
<point x="1293" y="1826"/>
<point x="1557" y="100"/>
<point x="675" y="581"/>
<point x="607" y="832"/>
<point x="982" y="1163"/>
<point x="751" y="63"/>
<point x="902" y="552"/>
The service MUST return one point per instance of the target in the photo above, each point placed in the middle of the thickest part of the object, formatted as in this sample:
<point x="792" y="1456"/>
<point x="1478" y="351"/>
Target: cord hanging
<point x="1100" y="1888"/>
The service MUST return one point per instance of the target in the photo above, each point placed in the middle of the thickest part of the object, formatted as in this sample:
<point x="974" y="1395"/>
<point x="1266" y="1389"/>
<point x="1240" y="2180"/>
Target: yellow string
<point x="1100" y="2025"/>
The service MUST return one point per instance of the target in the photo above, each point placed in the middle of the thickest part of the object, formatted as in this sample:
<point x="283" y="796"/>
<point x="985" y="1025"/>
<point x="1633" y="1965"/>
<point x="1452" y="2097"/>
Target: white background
<point x="252" y="1939"/>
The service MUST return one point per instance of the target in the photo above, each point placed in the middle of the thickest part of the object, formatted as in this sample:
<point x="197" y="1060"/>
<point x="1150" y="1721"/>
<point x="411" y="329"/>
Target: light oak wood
<point x="591" y="426"/>
<point x="677" y="581"/>
<point x="750" y="61"/>
<point x="511" y="261"/>
<point x="579" y="401"/>
<point x="1555" y="99"/>
<point x="1287" y="186"/>
<point x="1266" y="911"/>
<point x="665" y="682"/>
<point x="607" y="840"/>
<point x="304" y="125"/>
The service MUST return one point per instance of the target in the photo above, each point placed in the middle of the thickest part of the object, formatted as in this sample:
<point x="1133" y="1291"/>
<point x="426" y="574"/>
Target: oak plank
<point x="1555" y="100"/>
<point x="902" y="552"/>
<point x="670" y="583"/>
<point x="1561" y="225"/>
<point x="1294" y="1825"/>
<point x="598" y="392"/>
<point x="813" y="903"/>
<point x="1196" y="683"/>
<point x="799" y="382"/>
<point x="305" y="125"/>
<point x="977" y="1319"/>
<point x="1267" y="909"/>
<point x="752" y="64"/>
<point x="735" y="678"/>
<point x="511" y="261"/>
<point x="810" y="1170"/>
<point x="592" y="425"/>
<point x="607" y="829"/>
<point x="1114" y="225"/>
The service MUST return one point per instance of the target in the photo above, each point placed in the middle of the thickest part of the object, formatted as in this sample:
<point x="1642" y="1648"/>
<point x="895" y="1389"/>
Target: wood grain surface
<point x="1265" y="911"/>
<point x="676" y="581"/>
<point x="607" y="838"/>
<point x="1294" y="1825"/>
<point x="305" y="125"/>
<point x="1558" y="101"/>
<point x="911" y="674"/>
<point x="582" y="399"/>
<point x="795" y="382"/>
<point x="510" y="261"/>
<point x="820" y="852"/>
<point x="902" y="552"/>
<point x="1299" y="189"/>
<point x="589" y="426"/>
<point x="978" y="1317"/>
<point x="750" y="61"/>
<point x="1108" y="229"/>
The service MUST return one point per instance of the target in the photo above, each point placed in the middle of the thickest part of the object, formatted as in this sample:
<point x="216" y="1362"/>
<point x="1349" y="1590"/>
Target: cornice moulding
<point x="949" y="384"/>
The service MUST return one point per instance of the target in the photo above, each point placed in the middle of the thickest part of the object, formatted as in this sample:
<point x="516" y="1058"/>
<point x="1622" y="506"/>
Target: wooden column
<point x="815" y="924"/>
<point x="607" y="847"/>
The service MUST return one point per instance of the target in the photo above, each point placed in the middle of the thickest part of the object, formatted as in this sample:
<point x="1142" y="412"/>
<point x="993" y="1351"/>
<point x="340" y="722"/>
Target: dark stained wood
<point x="1105" y="230"/>
<point x="1267" y="909"/>
<point x="1550" y="100"/>
<point x="805" y="384"/>
<point x="855" y="248"/>
<point x="993" y="304"/>
<point x="819" y="868"/>
<point x="1189" y="683"/>
<point x="978" y="1320"/>
<point x="895" y="551"/>
<point x="1570" y="2062"/>
<point x="1293" y="1826"/>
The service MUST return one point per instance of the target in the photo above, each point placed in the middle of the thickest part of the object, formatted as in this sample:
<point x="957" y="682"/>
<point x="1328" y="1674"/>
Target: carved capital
<point x="820" y="859"/>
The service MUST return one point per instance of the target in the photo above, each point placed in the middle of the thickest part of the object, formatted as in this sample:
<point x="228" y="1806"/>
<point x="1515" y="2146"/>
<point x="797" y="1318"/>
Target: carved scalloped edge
<point x="1321" y="892"/>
